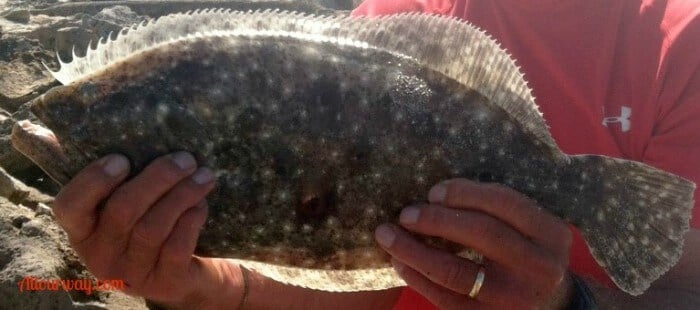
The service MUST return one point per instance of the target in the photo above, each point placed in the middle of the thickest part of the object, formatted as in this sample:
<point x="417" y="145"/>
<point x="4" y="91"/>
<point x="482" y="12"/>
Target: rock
<point x="110" y="20"/>
<point x="20" y="16"/>
<point x="19" y="220"/>
<point x="22" y="75"/>
<point x="340" y="4"/>
<point x="21" y="81"/>
<point x="43" y="209"/>
<point x="17" y="192"/>
<point x="116" y="17"/>
<point x="43" y="30"/>
<point x="23" y="256"/>
<point x="33" y="247"/>
<point x="31" y="228"/>
<point x="13" y="45"/>
<point x="71" y="39"/>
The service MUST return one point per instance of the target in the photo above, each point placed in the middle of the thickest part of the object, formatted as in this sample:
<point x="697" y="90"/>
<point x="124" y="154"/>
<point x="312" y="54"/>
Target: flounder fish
<point x="321" y="128"/>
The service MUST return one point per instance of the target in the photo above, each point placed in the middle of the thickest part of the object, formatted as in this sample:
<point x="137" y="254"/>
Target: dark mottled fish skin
<point x="311" y="153"/>
<point x="314" y="144"/>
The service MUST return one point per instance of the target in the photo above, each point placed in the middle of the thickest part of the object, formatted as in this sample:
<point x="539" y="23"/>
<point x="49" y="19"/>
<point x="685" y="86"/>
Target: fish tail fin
<point x="635" y="225"/>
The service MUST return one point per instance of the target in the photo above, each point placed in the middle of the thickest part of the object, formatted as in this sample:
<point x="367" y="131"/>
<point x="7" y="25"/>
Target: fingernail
<point x="183" y="160"/>
<point x="437" y="193"/>
<point x="115" y="165"/>
<point x="409" y="215"/>
<point x="385" y="236"/>
<point x="398" y="266"/>
<point x="203" y="176"/>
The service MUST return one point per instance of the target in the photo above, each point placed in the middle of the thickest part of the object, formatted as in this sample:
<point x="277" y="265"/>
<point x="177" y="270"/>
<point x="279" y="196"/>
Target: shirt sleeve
<point x="675" y="142"/>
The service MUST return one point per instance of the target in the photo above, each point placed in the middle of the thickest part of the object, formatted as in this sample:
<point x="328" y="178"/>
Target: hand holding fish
<point x="147" y="229"/>
<point x="526" y="249"/>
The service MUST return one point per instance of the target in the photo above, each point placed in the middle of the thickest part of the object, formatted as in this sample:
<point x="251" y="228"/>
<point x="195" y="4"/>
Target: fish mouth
<point x="41" y="146"/>
<point x="36" y="131"/>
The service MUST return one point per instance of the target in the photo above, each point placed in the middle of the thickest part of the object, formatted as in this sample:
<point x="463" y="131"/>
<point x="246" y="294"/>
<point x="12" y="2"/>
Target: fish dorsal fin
<point x="327" y="280"/>
<point x="464" y="53"/>
<point x="446" y="45"/>
<point x="140" y="37"/>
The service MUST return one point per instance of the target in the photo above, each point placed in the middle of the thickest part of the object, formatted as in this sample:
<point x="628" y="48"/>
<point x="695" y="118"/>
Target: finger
<point x="76" y="205"/>
<point x="505" y="204"/>
<point x="131" y="200"/>
<point x="499" y="290"/>
<point x="489" y="236"/>
<point x="445" y="269"/>
<point x="151" y="231"/>
<point x="437" y="295"/>
<point x="178" y="250"/>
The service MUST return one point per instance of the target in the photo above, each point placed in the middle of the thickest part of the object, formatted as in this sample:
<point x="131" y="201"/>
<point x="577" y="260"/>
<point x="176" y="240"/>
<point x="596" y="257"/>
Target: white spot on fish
<point x="306" y="228"/>
<point x="508" y="127"/>
<point x="370" y="211"/>
<point x="554" y="185"/>
<point x="365" y="238"/>
<point x="600" y="215"/>
<point x="343" y="86"/>
<point x="260" y="230"/>
<point x="332" y="222"/>
<point x="283" y="195"/>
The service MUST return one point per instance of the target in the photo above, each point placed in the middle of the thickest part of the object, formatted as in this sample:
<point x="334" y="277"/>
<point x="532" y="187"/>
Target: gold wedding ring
<point x="478" y="282"/>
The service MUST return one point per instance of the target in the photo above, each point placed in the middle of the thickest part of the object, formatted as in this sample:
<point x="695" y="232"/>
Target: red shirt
<point x="612" y="77"/>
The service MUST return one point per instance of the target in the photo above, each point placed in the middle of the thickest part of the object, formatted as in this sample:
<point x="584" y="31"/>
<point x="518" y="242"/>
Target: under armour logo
<point x="623" y="119"/>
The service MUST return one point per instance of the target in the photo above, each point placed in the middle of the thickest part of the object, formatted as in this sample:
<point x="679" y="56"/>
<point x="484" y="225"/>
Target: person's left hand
<point x="525" y="249"/>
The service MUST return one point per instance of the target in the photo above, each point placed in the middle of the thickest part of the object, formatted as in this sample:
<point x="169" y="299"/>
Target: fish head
<point x="62" y="109"/>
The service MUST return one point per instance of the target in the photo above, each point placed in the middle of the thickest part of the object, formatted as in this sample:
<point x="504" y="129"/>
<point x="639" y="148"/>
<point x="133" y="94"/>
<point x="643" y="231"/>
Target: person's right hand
<point x="144" y="231"/>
